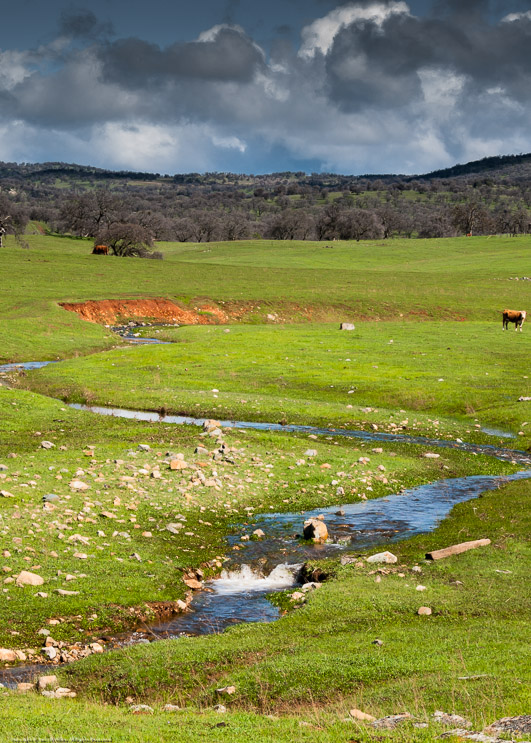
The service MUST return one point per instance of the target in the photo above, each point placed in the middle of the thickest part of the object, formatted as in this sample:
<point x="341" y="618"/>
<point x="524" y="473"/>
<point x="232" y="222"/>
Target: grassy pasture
<point x="446" y="375"/>
<point x="121" y="484"/>
<point x="311" y="667"/>
<point x="461" y="278"/>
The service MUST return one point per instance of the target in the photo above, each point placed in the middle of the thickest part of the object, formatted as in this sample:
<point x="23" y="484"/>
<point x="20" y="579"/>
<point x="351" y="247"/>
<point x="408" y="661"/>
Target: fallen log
<point x="456" y="549"/>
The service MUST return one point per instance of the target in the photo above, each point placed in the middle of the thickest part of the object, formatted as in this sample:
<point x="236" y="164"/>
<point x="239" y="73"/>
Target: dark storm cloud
<point x="133" y="63"/>
<point x="379" y="64"/>
<point x="370" y="87"/>
<point x="83" y="24"/>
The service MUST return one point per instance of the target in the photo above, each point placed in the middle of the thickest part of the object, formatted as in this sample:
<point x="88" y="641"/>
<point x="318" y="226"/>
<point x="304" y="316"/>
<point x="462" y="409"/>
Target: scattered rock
<point x="50" y="498"/>
<point x="451" y="719"/>
<point x="144" y="447"/>
<point x="26" y="578"/>
<point x="7" y="655"/>
<point x="431" y="455"/>
<point x="47" y="445"/>
<point x="62" y="692"/>
<point x="259" y="533"/>
<point x="79" y="485"/>
<point x="310" y="453"/>
<point x="357" y="714"/>
<point x="316" y="531"/>
<point x="50" y="652"/>
<point x="377" y="642"/>
<point x="424" y="611"/>
<point x="46" y="681"/>
<point x="62" y="592"/>
<point x="520" y="725"/>
<point x="385" y="557"/>
<point x="24" y="687"/>
<point x="391" y="721"/>
<point x="174" y="528"/>
<point x="141" y="709"/>
<point x="170" y="708"/>
<point x="220" y="708"/>
<point x="347" y="326"/>
<point x="226" y="690"/>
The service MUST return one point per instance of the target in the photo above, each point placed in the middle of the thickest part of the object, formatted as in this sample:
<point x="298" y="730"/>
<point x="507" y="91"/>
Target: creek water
<point x="146" y="415"/>
<point x="273" y="563"/>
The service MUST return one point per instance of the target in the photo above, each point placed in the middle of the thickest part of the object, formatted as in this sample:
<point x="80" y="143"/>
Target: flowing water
<point x="145" y="415"/>
<point x="274" y="562"/>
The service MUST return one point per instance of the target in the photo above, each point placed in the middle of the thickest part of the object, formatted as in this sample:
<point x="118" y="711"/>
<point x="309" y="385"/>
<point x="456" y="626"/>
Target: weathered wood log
<point x="456" y="549"/>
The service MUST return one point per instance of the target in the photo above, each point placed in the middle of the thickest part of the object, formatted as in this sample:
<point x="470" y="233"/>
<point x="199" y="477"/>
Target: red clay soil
<point x="111" y="311"/>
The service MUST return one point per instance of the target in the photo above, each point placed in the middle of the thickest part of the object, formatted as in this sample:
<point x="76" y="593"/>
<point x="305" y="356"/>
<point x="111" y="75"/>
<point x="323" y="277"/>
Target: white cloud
<point x="441" y="88"/>
<point x="517" y="17"/>
<point x="14" y="68"/>
<point x="229" y="143"/>
<point x="319" y="35"/>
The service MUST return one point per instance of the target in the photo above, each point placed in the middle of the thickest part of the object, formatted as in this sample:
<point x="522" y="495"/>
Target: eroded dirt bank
<point x="204" y="311"/>
<point x="110" y="311"/>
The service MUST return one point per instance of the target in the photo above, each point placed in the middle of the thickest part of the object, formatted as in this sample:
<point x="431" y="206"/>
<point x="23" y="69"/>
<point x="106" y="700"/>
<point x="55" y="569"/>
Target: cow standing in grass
<point x="100" y="250"/>
<point x="516" y="316"/>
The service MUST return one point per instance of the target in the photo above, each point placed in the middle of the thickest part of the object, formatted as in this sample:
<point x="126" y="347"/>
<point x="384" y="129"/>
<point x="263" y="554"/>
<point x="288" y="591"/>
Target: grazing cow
<point x="515" y="316"/>
<point x="100" y="250"/>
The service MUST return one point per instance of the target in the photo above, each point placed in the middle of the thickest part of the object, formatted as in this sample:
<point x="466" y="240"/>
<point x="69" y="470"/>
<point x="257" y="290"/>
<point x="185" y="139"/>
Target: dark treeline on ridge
<point x="488" y="196"/>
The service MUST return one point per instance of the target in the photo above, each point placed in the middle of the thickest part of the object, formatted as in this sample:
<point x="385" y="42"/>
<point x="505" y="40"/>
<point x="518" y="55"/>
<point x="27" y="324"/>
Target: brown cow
<point x="100" y="250"/>
<point x="515" y="316"/>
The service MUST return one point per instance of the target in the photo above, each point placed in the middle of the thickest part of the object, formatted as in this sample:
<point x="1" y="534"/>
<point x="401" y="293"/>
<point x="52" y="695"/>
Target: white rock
<point x="385" y="557"/>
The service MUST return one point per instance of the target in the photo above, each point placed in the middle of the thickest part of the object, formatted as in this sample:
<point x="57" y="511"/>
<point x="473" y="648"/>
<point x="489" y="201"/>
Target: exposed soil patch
<point x="111" y="311"/>
<point x="204" y="311"/>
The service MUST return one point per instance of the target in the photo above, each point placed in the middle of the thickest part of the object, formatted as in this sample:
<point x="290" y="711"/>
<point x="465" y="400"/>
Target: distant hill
<point x="516" y="166"/>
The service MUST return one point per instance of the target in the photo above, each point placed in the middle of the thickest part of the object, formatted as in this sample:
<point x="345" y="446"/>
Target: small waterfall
<point x="246" y="578"/>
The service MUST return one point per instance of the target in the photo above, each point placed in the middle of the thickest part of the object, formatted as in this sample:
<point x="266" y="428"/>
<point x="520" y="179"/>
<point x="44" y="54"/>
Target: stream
<point x="273" y="563"/>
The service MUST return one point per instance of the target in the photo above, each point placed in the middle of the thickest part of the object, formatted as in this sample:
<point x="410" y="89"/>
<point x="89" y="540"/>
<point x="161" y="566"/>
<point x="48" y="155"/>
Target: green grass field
<point x="461" y="278"/>
<point x="428" y="356"/>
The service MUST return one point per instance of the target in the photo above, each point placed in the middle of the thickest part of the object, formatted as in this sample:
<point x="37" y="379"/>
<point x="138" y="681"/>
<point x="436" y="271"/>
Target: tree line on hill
<point x="129" y="211"/>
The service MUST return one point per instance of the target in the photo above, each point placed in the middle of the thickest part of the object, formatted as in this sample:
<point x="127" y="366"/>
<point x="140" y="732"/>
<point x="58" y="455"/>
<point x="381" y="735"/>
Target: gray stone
<point x="391" y="721"/>
<point x="144" y="447"/>
<point x="443" y="718"/>
<point x="50" y="498"/>
<point x="47" y="445"/>
<point x="383" y="557"/>
<point x="520" y="725"/>
<point x="347" y="326"/>
<point x="174" y="528"/>
<point x="141" y="709"/>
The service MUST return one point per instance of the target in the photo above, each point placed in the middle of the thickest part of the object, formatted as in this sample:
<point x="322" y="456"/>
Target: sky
<point x="254" y="86"/>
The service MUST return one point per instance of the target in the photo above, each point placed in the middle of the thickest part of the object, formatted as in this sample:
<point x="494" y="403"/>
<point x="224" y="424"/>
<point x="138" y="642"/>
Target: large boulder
<point x="315" y="530"/>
